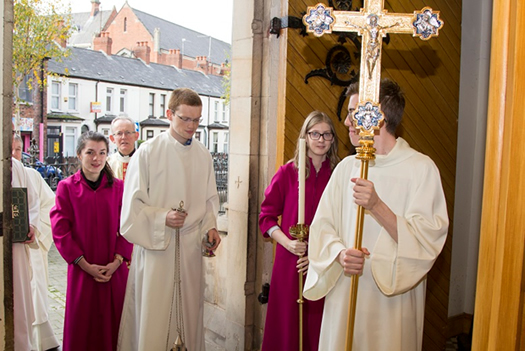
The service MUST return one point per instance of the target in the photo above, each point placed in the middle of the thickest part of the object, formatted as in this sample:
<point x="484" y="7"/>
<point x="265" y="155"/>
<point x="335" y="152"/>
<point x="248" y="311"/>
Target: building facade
<point x="89" y="89"/>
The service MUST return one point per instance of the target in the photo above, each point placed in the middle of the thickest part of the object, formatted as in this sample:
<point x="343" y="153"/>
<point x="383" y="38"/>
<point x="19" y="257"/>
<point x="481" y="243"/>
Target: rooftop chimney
<point x="94" y="7"/>
<point x="202" y="64"/>
<point x="173" y="58"/>
<point x="103" y="42"/>
<point x="142" y="51"/>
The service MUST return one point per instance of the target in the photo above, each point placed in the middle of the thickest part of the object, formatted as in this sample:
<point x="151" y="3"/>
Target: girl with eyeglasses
<point x="281" y="330"/>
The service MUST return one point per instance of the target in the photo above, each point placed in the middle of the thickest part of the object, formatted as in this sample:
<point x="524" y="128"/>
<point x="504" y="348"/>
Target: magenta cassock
<point x="281" y="331"/>
<point x="86" y="222"/>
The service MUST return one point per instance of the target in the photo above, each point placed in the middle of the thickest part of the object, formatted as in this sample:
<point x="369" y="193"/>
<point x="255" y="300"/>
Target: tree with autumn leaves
<point x="39" y="29"/>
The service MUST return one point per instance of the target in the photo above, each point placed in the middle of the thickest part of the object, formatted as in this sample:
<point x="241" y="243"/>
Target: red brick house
<point x="133" y="33"/>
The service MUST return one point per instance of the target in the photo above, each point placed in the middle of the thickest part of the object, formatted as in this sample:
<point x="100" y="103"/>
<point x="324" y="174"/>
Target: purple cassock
<point x="281" y="331"/>
<point x="86" y="222"/>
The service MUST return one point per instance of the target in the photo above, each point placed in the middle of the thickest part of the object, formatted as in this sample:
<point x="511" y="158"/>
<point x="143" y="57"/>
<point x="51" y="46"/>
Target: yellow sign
<point x="96" y="107"/>
<point x="56" y="147"/>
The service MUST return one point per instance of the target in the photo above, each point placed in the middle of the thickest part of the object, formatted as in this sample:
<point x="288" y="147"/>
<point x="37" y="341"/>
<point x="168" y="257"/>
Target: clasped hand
<point x="353" y="260"/>
<point x="30" y="235"/>
<point x="365" y="193"/>
<point x="175" y="219"/>
<point x="296" y="247"/>
<point x="101" y="274"/>
<point x="302" y="265"/>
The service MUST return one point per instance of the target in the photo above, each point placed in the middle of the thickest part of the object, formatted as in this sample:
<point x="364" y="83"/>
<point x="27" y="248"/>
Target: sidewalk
<point x="57" y="291"/>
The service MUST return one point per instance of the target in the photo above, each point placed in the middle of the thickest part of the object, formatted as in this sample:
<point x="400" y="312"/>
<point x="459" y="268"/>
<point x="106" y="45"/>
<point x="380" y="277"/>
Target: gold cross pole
<point x="372" y="23"/>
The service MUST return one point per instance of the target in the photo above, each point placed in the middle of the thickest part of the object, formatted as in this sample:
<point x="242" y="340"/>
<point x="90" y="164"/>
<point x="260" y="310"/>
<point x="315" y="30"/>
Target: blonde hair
<point x="314" y="118"/>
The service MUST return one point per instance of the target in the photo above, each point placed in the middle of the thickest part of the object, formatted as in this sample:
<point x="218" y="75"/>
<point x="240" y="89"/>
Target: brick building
<point x="133" y="33"/>
<point x="63" y="111"/>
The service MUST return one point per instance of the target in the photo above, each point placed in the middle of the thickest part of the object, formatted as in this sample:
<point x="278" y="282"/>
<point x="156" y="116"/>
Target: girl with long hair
<point x="85" y="223"/>
<point x="281" y="330"/>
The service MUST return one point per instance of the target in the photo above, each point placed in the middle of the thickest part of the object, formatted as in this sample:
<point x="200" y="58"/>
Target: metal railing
<point x="70" y="165"/>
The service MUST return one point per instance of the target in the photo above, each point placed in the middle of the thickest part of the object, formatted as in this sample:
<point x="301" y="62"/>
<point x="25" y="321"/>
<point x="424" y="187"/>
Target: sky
<point x="209" y="17"/>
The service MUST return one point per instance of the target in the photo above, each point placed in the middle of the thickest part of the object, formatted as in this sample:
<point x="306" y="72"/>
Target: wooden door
<point x="499" y="315"/>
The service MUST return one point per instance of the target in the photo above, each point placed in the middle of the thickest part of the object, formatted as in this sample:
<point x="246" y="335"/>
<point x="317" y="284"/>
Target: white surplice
<point x="391" y="295"/>
<point x="117" y="162"/>
<point x="43" y="335"/>
<point x="23" y="302"/>
<point x="161" y="173"/>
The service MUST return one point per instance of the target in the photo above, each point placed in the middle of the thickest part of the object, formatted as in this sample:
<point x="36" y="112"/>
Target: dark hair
<point x="311" y="120"/>
<point x="392" y="100"/>
<point x="183" y="96"/>
<point x="96" y="137"/>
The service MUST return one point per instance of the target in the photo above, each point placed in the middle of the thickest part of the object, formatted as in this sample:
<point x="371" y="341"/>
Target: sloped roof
<point x="96" y="65"/>
<point x="64" y="117"/>
<point x="217" y="126"/>
<point x="154" y="122"/>
<point x="84" y="27"/>
<point x="196" y="44"/>
<point x="105" y="119"/>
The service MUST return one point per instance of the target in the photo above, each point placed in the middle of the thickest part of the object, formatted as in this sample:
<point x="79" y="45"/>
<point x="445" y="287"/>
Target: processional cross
<point x="372" y="23"/>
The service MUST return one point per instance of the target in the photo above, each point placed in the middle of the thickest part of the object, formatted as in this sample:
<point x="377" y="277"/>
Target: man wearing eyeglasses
<point x="124" y="135"/>
<point x="170" y="203"/>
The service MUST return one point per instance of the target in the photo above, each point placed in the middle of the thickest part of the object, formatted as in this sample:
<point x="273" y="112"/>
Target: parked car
<point x="51" y="174"/>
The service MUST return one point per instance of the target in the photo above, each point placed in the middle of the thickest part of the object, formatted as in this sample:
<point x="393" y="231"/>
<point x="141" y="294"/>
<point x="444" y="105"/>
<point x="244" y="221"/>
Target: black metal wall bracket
<point x="279" y="23"/>
<point x="265" y="293"/>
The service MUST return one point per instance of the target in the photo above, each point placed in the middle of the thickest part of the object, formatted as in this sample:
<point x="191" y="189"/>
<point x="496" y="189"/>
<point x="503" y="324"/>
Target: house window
<point x="198" y="135"/>
<point x="224" y="114"/>
<point x="151" y="104"/>
<point x="225" y="144"/>
<point x="55" y="95"/>
<point x="70" y="141"/>
<point x="163" y="105"/>
<point x="105" y="131"/>
<point x="109" y="99"/>
<point x="125" y="24"/>
<point x="73" y="97"/>
<point x="24" y="93"/>
<point x="216" y="112"/>
<point x="215" y="142"/>
<point x="149" y="134"/>
<point x="123" y="93"/>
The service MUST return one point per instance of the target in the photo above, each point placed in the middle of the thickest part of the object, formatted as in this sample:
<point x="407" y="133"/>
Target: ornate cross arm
<point x="372" y="23"/>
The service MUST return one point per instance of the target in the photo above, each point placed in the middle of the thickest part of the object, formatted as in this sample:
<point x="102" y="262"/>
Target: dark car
<point x="51" y="174"/>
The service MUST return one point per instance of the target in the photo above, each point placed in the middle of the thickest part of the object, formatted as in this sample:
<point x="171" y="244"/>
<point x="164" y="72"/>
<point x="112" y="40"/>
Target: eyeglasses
<point x="316" y="135"/>
<point x="192" y="120"/>
<point x="122" y="134"/>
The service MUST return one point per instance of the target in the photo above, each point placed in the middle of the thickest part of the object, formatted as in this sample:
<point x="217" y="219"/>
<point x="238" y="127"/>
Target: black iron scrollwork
<point x="342" y="64"/>
<point x="341" y="5"/>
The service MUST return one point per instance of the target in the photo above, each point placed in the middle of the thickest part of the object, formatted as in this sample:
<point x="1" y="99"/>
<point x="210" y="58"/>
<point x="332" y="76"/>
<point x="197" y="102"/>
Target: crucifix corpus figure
<point x="405" y="228"/>
<point x="373" y="47"/>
